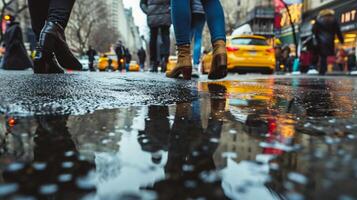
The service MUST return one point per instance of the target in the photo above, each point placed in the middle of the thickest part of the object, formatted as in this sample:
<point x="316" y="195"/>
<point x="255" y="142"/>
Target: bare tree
<point x="103" y="37"/>
<point x="9" y="5"/>
<point x="231" y="14"/>
<point x="87" y="16"/>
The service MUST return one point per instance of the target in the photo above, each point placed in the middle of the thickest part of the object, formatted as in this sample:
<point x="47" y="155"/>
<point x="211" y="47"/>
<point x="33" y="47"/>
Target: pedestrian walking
<point x="325" y="29"/>
<point x="142" y="57"/>
<point x="16" y="57"/>
<point x="198" y="23"/>
<point x="341" y="58"/>
<point x="285" y="57"/>
<point x="182" y="20"/>
<point x="49" y="19"/>
<point x="159" y="21"/>
<point x="120" y="52"/>
<point x="305" y="60"/>
<point x="278" y="57"/>
<point x="91" y="53"/>
<point x="351" y="60"/>
<point x="128" y="58"/>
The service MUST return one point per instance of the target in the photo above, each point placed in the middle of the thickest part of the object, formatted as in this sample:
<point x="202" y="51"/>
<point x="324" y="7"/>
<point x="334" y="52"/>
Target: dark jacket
<point x="197" y="7"/>
<point x="16" y="57"/>
<point x="351" y="61"/>
<point x="157" y="11"/>
<point x="120" y="51"/>
<point x="142" y="55"/>
<point x="325" y="29"/>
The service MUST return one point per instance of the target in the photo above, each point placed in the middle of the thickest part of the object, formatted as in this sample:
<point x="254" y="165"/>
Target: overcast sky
<point x="139" y="16"/>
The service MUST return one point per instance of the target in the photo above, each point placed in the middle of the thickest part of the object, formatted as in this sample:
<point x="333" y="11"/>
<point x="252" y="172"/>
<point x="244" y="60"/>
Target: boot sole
<point x="185" y="71"/>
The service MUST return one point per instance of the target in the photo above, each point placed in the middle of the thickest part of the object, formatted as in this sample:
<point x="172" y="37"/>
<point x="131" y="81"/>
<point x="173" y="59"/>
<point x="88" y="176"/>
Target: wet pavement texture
<point x="141" y="136"/>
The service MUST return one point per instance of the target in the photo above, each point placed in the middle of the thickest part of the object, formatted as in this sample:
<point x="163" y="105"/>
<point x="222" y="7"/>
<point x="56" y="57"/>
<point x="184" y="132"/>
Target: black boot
<point x="62" y="52"/>
<point x="154" y="66"/>
<point x="45" y="62"/>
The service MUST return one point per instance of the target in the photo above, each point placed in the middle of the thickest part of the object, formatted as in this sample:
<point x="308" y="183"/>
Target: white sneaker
<point x="195" y="72"/>
<point x="312" y="72"/>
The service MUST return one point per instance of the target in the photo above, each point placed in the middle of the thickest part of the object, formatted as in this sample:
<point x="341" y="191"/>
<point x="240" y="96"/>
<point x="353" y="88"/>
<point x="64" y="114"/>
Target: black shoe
<point x="62" y="52"/>
<point x="45" y="62"/>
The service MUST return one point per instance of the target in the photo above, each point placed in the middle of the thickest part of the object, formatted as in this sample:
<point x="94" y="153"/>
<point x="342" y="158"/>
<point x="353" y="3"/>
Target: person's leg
<point x="215" y="19"/>
<point x="59" y="11"/>
<point x="153" y="48"/>
<point x="323" y="65"/>
<point x="181" y="19"/>
<point x="39" y="13"/>
<point x="216" y="24"/>
<point x="165" y="48"/>
<point x="198" y="23"/>
<point x="58" y="16"/>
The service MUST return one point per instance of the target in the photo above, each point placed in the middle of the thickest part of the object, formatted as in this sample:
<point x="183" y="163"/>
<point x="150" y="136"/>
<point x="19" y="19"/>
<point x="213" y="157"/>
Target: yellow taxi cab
<point x="108" y="62"/>
<point x="171" y="63"/>
<point x="134" y="66"/>
<point x="246" y="54"/>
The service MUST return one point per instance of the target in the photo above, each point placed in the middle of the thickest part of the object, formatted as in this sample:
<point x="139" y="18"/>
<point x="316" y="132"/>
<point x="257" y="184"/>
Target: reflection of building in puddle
<point x="100" y="131"/>
<point x="129" y="170"/>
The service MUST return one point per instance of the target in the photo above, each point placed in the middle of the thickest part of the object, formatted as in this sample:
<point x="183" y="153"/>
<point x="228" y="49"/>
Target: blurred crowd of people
<point x="318" y="52"/>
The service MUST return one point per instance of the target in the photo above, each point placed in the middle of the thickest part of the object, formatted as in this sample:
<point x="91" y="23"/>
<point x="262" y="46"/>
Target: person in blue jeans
<point x="182" y="20"/>
<point x="198" y="23"/>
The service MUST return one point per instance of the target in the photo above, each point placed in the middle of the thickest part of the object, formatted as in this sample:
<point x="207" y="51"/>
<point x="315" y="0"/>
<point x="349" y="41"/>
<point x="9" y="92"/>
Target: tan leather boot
<point x="219" y="61"/>
<point x="184" y="63"/>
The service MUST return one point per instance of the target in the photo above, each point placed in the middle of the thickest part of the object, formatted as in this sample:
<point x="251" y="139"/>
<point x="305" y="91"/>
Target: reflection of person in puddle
<point x="190" y="151"/>
<point x="56" y="164"/>
<point x="154" y="138"/>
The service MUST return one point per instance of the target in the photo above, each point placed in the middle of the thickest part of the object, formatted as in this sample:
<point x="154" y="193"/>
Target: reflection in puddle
<point x="266" y="139"/>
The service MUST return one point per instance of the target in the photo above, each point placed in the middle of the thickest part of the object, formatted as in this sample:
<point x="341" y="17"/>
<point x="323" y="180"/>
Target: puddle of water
<point x="266" y="139"/>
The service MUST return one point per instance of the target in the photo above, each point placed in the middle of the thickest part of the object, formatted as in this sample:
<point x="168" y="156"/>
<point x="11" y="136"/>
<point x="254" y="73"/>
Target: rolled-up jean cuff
<point x="180" y="43"/>
<point x="219" y="38"/>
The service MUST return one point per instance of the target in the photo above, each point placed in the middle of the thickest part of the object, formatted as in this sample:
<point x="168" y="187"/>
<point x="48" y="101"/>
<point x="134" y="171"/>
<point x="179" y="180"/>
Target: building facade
<point x="258" y="14"/>
<point x="122" y="20"/>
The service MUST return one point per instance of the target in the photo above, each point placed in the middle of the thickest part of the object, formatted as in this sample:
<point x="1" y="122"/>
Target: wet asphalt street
<point x="142" y="136"/>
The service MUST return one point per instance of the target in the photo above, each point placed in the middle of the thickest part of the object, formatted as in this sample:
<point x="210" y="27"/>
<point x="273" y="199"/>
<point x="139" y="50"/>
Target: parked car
<point x="108" y="62"/>
<point x="246" y="54"/>
<point x="134" y="67"/>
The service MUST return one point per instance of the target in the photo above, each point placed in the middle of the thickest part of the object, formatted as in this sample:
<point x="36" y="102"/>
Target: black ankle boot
<point x="62" y="52"/>
<point x="45" y="62"/>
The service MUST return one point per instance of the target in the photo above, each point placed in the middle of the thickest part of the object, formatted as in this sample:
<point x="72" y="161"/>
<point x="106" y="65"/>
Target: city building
<point x="258" y="14"/>
<point x="122" y="20"/>
<point x="134" y="42"/>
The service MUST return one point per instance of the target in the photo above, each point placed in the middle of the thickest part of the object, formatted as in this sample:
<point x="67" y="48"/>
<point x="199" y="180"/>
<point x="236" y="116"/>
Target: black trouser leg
<point x="39" y="14"/>
<point x="165" y="36"/>
<point x="60" y="11"/>
<point x="323" y="65"/>
<point x="153" y="44"/>
<point x="51" y="10"/>
<point x="165" y="47"/>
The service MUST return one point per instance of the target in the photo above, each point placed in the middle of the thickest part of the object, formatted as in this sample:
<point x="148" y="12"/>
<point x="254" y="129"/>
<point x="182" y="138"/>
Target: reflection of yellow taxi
<point x="134" y="66"/>
<point x="108" y="62"/>
<point x="246" y="53"/>
<point x="171" y="63"/>
<point x="245" y="90"/>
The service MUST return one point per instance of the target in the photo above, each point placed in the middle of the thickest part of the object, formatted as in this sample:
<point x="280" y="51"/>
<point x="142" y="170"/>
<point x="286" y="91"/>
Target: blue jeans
<point x="182" y="16"/>
<point x="198" y="23"/>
